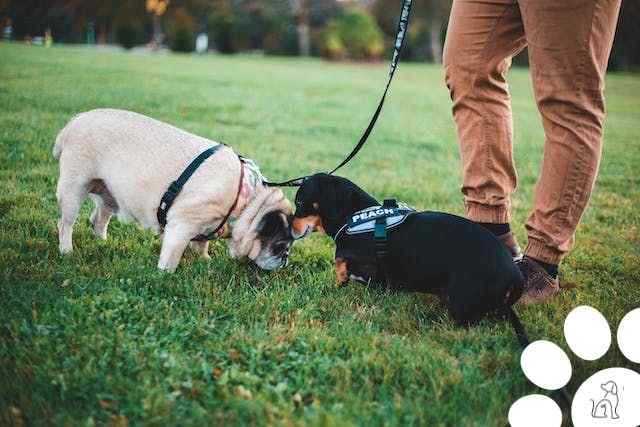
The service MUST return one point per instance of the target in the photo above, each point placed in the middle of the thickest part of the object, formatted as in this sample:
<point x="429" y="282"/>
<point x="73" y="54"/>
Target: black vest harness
<point x="176" y="186"/>
<point x="377" y="220"/>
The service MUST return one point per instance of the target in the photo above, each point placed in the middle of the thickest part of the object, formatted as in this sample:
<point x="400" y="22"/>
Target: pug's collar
<point x="252" y="178"/>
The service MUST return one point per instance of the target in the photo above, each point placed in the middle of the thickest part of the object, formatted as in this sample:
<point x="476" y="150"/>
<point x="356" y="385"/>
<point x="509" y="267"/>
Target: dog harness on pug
<point x="377" y="220"/>
<point x="176" y="186"/>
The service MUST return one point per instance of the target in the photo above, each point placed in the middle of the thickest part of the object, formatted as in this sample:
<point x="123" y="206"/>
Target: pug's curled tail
<point x="57" y="147"/>
<point x="62" y="137"/>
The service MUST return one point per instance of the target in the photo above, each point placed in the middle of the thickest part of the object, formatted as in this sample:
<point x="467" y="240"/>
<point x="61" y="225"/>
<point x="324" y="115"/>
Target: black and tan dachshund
<point x="429" y="252"/>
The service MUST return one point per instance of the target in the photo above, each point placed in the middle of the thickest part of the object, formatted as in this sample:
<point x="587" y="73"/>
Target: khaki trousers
<point x="569" y="42"/>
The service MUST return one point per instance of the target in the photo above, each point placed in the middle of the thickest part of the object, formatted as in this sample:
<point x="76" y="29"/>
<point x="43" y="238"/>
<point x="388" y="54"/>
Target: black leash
<point x="518" y="328"/>
<point x="403" y="25"/>
<point x="176" y="187"/>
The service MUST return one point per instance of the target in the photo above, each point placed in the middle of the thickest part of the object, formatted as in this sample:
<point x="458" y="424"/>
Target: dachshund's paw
<point x="342" y="272"/>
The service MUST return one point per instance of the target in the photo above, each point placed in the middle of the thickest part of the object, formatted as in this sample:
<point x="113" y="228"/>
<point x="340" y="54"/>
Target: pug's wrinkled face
<point x="275" y="239"/>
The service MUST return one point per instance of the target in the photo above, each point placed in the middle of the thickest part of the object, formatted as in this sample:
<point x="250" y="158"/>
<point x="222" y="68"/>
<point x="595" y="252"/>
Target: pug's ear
<point x="269" y="224"/>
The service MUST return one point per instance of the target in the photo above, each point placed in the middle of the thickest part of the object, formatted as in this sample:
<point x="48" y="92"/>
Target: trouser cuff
<point x="537" y="249"/>
<point x="483" y="213"/>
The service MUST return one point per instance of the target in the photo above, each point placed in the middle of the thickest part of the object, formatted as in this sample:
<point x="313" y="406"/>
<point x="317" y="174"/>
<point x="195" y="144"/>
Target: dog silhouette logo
<point x="607" y="407"/>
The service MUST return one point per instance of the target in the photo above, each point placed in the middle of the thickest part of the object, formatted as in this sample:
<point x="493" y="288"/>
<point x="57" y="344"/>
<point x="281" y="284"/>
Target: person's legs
<point x="481" y="39"/>
<point x="569" y="43"/>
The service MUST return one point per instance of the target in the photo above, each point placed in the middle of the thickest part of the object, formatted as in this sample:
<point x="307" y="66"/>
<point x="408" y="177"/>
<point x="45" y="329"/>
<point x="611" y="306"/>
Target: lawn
<point x="100" y="336"/>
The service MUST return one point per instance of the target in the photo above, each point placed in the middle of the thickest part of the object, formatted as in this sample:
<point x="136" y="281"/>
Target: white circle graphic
<point x="546" y="365"/>
<point x="587" y="333"/>
<point x="535" y="410"/>
<point x="629" y="335"/>
<point x="608" y="398"/>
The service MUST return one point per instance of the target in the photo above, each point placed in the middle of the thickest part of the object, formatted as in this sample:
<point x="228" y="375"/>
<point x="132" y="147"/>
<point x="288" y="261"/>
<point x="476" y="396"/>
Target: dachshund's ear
<point x="308" y="194"/>
<point x="614" y="388"/>
<point x="325" y="194"/>
<point x="330" y="203"/>
<point x="350" y="199"/>
<point x="340" y="198"/>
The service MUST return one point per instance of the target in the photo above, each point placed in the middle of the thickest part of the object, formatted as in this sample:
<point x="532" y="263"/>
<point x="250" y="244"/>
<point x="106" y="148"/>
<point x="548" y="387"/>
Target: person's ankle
<point x="497" y="229"/>
<point x="552" y="269"/>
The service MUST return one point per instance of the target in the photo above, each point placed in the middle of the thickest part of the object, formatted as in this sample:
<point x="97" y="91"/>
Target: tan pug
<point x="125" y="162"/>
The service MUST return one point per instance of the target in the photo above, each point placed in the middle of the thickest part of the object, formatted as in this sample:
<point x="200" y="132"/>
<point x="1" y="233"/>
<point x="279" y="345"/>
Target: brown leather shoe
<point x="509" y="240"/>
<point x="539" y="286"/>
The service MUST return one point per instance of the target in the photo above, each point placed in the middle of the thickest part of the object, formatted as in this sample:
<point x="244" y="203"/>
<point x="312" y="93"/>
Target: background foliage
<point x="355" y="35"/>
<point x="283" y="27"/>
<point x="180" y="34"/>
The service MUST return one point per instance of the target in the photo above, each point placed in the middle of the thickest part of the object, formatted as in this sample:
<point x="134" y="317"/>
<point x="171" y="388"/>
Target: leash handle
<point x="401" y="32"/>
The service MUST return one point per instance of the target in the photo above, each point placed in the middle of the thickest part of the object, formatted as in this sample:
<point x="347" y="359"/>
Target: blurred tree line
<point x="338" y="29"/>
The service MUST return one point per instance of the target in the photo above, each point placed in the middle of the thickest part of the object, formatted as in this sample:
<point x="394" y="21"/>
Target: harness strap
<point x="213" y="234"/>
<point x="403" y="24"/>
<point x="338" y="234"/>
<point x="176" y="187"/>
<point x="380" y="237"/>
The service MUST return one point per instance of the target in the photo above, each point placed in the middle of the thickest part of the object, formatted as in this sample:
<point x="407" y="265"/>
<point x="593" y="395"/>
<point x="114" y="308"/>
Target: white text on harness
<point x="371" y="214"/>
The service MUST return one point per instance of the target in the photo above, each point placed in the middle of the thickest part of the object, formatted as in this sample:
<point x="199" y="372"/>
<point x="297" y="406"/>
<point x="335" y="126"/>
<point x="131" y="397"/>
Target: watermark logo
<point x="607" y="407"/>
<point x="610" y="397"/>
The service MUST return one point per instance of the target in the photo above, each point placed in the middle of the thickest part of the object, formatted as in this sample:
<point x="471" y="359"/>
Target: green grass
<point x="100" y="336"/>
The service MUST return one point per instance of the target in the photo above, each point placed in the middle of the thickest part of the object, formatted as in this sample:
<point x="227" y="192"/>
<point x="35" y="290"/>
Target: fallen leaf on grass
<point x="242" y="392"/>
<point x="217" y="373"/>
<point x="16" y="416"/>
<point x="234" y="355"/>
<point x="118" y="421"/>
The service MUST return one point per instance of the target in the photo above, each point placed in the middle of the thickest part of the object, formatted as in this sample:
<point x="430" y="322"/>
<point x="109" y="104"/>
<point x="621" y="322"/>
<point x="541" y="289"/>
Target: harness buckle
<point x="380" y="230"/>
<point x="380" y="237"/>
<point x="174" y="188"/>
<point x="390" y="203"/>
